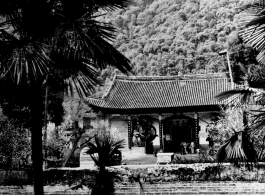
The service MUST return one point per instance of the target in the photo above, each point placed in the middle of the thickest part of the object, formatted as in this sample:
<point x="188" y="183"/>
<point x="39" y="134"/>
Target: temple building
<point x="175" y="108"/>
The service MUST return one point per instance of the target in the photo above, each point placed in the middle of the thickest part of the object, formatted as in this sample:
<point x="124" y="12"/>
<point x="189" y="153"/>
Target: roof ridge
<point x="110" y="87"/>
<point x="183" y="77"/>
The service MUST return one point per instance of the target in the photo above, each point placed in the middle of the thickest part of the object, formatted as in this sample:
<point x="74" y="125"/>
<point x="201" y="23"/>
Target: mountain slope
<point x="175" y="36"/>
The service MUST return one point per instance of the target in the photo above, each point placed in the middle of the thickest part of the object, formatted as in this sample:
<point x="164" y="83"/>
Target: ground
<point x="138" y="159"/>
<point x="142" y="159"/>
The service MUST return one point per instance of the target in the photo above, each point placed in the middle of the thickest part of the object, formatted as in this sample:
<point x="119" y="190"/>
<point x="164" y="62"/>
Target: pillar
<point x="160" y="133"/>
<point x="196" y="130"/>
<point x="129" y="132"/>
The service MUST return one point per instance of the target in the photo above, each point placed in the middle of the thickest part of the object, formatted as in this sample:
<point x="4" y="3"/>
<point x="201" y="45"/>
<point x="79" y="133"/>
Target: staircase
<point x="195" y="188"/>
<point x="188" y="188"/>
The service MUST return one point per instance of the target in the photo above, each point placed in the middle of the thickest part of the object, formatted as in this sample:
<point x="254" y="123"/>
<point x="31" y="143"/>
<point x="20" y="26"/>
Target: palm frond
<point x="253" y="28"/>
<point x="87" y="41"/>
<point x="110" y="5"/>
<point x="257" y="121"/>
<point x="238" y="148"/>
<point x="230" y="93"/>
<point x="235" y="97"/>
<point x="24" y="61"/>
<point x="105" y="148"/>
<point x="258" y="20"/>
<point x="232" y="150"/>
<point x="255" y="77"/>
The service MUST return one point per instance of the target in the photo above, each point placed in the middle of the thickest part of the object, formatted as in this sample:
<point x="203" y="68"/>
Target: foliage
<point x="54" y="148"/>
<point x="65" y="42"/>
<point x="75" y="108"/>
<point x="149" y="175"/>
<point x="253" y="30"/>
<point x="15" y="103"/>
<point x="168" y="37"/>
<point x="240" y="146"/>
<point x="104" y="150"/>
<point x="55" y="99"/>
<point x="15" y="146"/>
<point x="241" y="55"/>
<point x="222" y="129"/>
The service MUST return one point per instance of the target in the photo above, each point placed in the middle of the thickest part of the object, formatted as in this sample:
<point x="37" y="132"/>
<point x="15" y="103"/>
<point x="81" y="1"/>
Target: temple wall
<point x="96" y="125"/>
<point x="119" y="129"/>
<point x="203" y="134"/>
<point x="156" y="125"/>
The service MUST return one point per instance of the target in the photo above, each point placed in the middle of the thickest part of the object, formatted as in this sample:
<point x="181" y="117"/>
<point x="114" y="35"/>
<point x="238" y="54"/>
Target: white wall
<point x="203" y="134"/>
<point x="118" y="127"/>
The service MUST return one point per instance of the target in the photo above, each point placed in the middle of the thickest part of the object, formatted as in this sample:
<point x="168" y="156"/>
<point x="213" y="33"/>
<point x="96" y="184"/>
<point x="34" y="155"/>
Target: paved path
<point x="187" y="188"/>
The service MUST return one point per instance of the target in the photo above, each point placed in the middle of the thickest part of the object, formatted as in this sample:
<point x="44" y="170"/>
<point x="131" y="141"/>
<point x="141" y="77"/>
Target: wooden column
<point x="161" y="133"/>
<point x="129" y="132"/>
<point x="196" y="130"/>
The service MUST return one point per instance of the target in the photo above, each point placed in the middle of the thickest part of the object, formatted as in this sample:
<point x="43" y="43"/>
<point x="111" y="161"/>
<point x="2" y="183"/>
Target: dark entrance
<point x="178" y="129"/>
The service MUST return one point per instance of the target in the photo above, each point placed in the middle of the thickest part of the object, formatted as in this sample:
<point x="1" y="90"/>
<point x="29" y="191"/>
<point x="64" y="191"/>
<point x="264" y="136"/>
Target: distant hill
<point x="168" y="37"/>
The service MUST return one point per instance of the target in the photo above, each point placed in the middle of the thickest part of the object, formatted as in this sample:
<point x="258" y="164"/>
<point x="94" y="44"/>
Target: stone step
<point x="194" y="184"/>
<point x="192" y="188"/>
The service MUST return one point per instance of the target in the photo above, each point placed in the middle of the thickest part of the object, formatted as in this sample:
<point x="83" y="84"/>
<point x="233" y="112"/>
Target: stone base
<point x="164" y="158"/>
<point x="134" y="150"/>
<point x="86" y="161"/>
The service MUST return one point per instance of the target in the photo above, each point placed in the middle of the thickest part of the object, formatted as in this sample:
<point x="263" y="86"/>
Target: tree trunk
<point x="36" y="139"/>
<point x="245" y="118"/>
<point x="100" y="181"/>
<point x="72" y="151"/>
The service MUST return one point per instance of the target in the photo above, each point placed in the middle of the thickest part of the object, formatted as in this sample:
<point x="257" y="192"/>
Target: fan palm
<point x="240" y="146"/>
<point x="44" y="39"/>
<point x="103" y="154"/>
<point x="253" y="28"/>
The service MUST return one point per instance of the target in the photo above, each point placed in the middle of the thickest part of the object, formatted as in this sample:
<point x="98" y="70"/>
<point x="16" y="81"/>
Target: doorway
<point x="177" y="129"/>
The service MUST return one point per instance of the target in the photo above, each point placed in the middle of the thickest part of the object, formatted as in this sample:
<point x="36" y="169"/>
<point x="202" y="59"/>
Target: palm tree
<point x="240" y="147"/>
<point x="252" y="31"/>
<point x="248" y="97"/>
<point x="103" y="153"/>
<point x="45" y="39"/>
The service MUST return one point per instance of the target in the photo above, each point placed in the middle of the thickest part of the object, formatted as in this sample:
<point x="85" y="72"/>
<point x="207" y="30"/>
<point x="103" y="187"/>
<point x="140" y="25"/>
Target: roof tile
<point x="162" y="92"/>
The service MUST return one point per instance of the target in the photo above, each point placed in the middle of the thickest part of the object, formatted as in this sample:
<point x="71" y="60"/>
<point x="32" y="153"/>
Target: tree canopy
<point x="167" y="37"/>
<point x="54" y="40"/>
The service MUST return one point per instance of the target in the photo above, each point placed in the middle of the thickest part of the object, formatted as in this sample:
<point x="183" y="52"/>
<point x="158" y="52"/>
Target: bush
<point x="18" y="178"/>
<point x="68" y="177"/>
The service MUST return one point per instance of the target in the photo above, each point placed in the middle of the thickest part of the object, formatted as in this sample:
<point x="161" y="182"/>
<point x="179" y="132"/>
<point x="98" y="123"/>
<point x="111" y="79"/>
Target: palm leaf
<point x="77" y="38"/>
<point x="255" y="77"/>
<point x="86" y="41"/>
<point x="253" y="28"/>
<point x="227" y="94"/>
<point x="238" y="148"/>
<point x="29" y="61"/>
<point x="257" y="120"/>
<point x="105" y="147"/>
<point x="235" y="97"/>
<point x="232" y="150"/>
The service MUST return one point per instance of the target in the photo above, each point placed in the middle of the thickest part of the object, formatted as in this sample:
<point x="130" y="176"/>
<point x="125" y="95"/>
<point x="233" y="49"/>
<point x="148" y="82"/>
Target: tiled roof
<point x="161" y="92"/>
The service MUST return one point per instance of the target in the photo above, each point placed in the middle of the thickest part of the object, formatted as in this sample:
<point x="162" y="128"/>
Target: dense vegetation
<point x="164" y="37"/>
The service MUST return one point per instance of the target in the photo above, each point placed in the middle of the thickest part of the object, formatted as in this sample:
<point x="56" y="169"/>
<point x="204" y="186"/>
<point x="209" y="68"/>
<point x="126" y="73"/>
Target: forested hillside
<point x="163" y="37"/>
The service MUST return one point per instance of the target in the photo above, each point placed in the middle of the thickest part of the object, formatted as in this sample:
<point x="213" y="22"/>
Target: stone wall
<point x="160" y="179"/>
